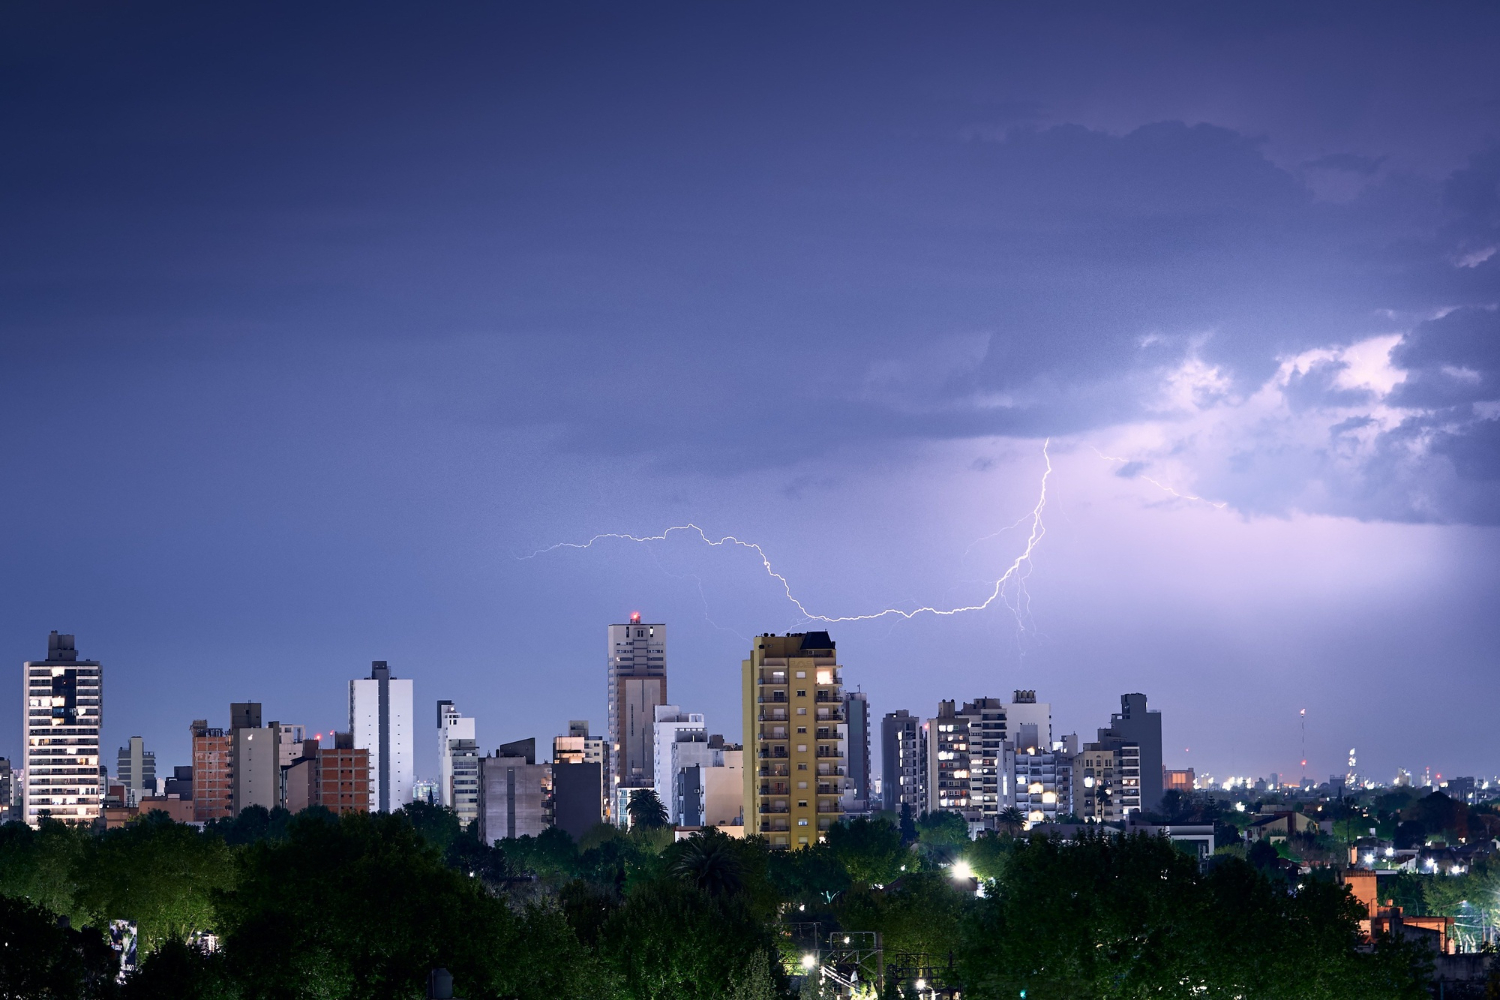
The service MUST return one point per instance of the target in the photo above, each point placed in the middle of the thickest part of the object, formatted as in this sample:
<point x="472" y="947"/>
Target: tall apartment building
<point x="63" y="699"/>
<point x="458" y="762"/>
<point x="637" y="682"/>
<point x="1044" y="785"/>
<point x="991" y="759"/>
<point x="1096" y="797"/>
<point x="858" y="787"/>
<point x="794" y="724"/>
<point x="380" y="721"/>
<point x="681" y="740"/>
<point x="901" y="773"/>
<point x="1136" y="727"/>
<point x="947" y="756"/>
<point x="213" y="760"/>
<point x="135" y="768"/>
<point x="1029" y="722"/>
<point x="255" y="765"/>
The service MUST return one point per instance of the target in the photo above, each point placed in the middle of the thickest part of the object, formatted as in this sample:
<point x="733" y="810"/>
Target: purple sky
<point x="315" y="320"/>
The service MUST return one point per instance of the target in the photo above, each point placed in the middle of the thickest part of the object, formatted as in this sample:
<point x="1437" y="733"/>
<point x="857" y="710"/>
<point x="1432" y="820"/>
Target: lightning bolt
<point x="1014" y="571"/>
<point x="1159" y="485"/>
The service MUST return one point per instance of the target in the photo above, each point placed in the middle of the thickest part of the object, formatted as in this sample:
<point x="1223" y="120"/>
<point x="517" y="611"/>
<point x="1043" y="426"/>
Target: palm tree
<point x="646" y="810"/>
<point x="1011" y="820"/>
<point x="707" y="861"/>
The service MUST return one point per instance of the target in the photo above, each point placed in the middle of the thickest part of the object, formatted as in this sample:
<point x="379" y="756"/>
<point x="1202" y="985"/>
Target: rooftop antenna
<point x="1304" y="746"/>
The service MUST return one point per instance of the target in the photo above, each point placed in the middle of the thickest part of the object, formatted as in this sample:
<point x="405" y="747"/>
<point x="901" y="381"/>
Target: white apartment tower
<point x="64" y="699"/>
<point x="458" y="763"/>
<point x="380" y="720"/>
<point x="637" y="674"/>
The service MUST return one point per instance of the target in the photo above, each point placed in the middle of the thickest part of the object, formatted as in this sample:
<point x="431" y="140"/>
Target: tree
<point x="39" y="864"/>
<point x="908" y="825"/>
<point x="42" y="959"/>
<point x="809" y="875"/>
<point x="362" y="907"/>
<point x="942" y="835"/>
<point x="178" y="971"/>
<point x="161" y="874"/>
<point x="707" y="862"/>
<point x="671" y="941"/>
<point x="645" y="809"/>
<point x="756" y="981"/>
<point x="869" y="849"/>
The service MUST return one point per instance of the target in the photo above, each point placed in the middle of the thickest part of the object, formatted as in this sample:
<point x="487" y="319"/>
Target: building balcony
<point x="829" y="753"/>
<point x="774" y="771"/>
<point x="776" y="788"/>
<point x="773" y="809"/>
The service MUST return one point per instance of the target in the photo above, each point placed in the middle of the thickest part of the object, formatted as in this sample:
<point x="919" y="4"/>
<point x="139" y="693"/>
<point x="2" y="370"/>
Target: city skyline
<point x="315" y="337"/>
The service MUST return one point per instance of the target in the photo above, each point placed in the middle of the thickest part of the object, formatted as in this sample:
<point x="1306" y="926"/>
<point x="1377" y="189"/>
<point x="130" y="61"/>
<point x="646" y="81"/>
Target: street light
<point x="809" y="960"/>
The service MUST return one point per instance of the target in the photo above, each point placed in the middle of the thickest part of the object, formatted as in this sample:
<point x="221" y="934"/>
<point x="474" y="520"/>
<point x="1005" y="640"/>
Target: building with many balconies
<point x="797" y="735"/>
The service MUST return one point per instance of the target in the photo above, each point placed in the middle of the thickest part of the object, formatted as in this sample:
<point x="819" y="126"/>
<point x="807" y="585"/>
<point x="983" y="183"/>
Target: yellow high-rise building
<point x="796" y="734"/>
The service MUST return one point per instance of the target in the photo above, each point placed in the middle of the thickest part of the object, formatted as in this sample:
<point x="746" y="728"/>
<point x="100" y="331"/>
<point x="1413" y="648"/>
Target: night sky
<point x="314" y="320"/>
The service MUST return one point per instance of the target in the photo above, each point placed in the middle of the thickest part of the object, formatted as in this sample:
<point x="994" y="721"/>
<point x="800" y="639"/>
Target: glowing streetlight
<point x="961" y="871"/>
<point x="809" y="960"/>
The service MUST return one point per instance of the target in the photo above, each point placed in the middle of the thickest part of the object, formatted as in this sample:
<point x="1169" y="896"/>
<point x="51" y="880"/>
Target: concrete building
<point x="62" y="699"/>
<point x="710" y="792"/>
<point x="135" y="768"/>
<point x="213" y="757"/>
<point x="858" y="791"/>
<point x="902" y="774"/>
<point x="255" y="777"/>
<point x="1044" y="785"/>
<point x="1135" y="725"/>
<point x="343" y="778"/>
<point x="1096" y="789"/>
<point x="458" y="763"/>
<point x="180" y="784"/>
<point x="794" y="727"/>
<point x="515" y="793"/>
<point x="991" y="759"/>
<point x="577" y="796"/>
<point x="299" y="779"/>
<point x="637" y="683"/>
<point x="8" y="810"/>
<point x="947" y="756"/>
<point x="681" y="741"/>
<point x="380" y="720"/>
<point x="1028" y="722"/>
<point x="290" y="738"/>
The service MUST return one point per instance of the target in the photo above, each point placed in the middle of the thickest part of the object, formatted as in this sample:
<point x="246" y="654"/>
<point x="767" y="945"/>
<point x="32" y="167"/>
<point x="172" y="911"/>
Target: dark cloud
<point x="1350" y="162"/>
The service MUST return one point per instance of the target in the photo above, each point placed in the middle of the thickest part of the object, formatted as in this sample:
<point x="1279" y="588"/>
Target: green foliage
<point x="921" y="912"/>
<point x="161" y="874"/>
<point x="870" y="850"/>
<point x="438" y="825"/>
<point x="707" y="861"/>
<point x="254" y="824"/>
<point x="646" y="810"/>
<point x="176" y="971"/>
<point x="40" y="960"/>
<point x="811" y="876"/>
<point x="671" y="941"/>
<point x="363" y="907"/>
<point x="756" y="981"/>
<point x="989" y="854"/>
<point x="552" y="855"/>
<point x="942" y="836"/>
<point x="38" y="865"/>
<point x="1132" y="917"/>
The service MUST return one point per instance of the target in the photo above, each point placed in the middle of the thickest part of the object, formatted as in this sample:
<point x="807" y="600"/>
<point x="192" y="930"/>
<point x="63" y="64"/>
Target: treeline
<point x="363" y="906"/>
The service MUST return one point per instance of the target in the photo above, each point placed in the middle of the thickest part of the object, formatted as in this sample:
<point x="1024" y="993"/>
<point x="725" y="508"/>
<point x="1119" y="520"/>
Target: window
<point x="802" y="694"/>
<point x="802" y="767"/>
<point x="802" y="822"/>
<point x="801" y="730"/>
<point x="801" y="674"/>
